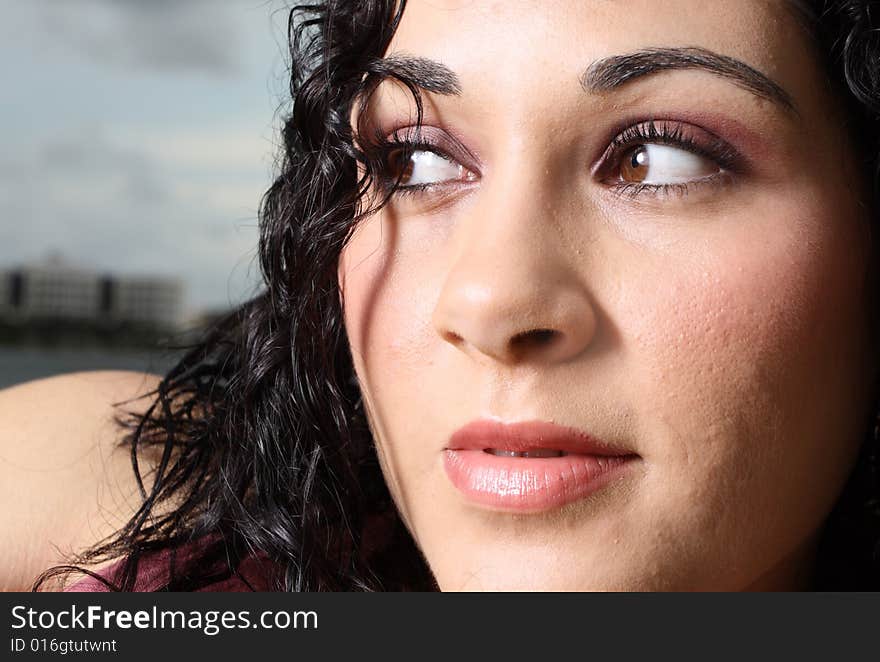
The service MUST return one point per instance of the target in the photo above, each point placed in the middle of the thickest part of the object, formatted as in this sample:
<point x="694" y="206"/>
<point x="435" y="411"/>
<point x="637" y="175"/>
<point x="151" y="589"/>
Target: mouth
<point x="534" y="452"/>
<point x="530" y="467"/>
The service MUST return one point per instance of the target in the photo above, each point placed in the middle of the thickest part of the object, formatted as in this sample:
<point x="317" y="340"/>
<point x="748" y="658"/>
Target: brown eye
<point x="659" y="164"/>
<point x="414" y="167"/>
<point x="634" y="165"/>
<point x="400" y="165"/>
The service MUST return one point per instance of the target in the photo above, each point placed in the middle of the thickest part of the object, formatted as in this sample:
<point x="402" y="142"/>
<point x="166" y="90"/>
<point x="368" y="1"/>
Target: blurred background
<point x="138" y="137"/>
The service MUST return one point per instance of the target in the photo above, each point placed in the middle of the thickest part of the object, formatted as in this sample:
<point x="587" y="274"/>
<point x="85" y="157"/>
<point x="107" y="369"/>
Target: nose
<point x="512" y="293"/>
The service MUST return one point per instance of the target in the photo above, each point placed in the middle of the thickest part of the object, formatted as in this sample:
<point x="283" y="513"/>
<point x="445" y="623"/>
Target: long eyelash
<point x="666" y="132"/>
<point x="633" y="189"/>
<point x="670" y="133"/>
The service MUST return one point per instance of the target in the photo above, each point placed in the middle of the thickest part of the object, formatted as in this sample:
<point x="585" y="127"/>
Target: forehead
<point x="536" y="42"/>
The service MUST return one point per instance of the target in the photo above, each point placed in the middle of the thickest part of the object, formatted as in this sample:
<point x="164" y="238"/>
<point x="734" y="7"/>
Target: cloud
<point x="202" y="147"/>
<point x="128" y="143"/>
<point x="199" y="36"/>
<point x="118" y="208"/>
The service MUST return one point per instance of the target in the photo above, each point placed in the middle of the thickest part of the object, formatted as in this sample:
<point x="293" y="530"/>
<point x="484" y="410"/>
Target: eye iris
<point x="401" y="164"/>
<point x="634" y="168"/>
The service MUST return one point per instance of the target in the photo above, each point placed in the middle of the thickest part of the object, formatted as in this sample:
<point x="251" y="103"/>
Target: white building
<point x="146" y="299"/>
<point x="55" y="289"/>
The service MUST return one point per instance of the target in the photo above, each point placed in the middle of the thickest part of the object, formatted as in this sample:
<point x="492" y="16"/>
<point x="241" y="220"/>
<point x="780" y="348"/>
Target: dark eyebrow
<point x="427" y="74"/>
<point x="612" y="72"/>
<point x="603" y="75"/>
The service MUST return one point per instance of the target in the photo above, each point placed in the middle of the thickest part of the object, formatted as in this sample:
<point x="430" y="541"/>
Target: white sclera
<point x="431" y="168"/>
<point x="673" y="165"/>
<point x="666" y="165"/>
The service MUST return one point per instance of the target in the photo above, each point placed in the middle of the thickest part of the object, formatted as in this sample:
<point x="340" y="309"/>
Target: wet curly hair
<point x="265" y="448"/>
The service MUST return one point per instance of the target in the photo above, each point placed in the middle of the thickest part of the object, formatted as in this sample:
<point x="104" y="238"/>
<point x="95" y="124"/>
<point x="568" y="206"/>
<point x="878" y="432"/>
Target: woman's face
<point x="671" y="260"/>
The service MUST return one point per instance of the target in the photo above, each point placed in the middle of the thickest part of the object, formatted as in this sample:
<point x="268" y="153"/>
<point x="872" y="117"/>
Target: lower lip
<point x="530" y="484"/>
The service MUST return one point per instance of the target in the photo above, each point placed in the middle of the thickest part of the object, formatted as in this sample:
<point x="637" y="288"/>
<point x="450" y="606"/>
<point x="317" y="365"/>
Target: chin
<point x="503" y="579"/>
<point x="508" y="569"/>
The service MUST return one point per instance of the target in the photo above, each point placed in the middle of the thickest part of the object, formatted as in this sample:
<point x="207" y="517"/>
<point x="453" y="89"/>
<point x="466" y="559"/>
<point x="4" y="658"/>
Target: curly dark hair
<point x="265" y="447"/>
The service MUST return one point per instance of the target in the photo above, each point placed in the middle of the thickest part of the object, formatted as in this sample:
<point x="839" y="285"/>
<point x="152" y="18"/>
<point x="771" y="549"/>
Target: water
<point x="18" y="365"/>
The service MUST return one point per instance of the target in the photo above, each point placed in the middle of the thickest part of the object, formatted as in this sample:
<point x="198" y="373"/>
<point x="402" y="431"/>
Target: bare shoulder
<point x="65" y="483"/>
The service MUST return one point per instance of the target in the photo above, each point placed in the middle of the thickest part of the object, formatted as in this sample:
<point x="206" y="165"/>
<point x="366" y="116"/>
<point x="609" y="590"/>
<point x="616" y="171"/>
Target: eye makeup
<point x="680" y="135"/>
<point x="391" y="159"/>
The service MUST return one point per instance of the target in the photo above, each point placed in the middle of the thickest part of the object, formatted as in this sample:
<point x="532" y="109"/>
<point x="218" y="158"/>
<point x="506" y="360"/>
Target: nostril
<point x="534" y="338"/>
<point x="543" y="336"/>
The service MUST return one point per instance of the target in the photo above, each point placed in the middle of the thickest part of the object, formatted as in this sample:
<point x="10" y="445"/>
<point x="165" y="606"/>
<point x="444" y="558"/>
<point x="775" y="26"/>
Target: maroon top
<point x="153" y="571"/>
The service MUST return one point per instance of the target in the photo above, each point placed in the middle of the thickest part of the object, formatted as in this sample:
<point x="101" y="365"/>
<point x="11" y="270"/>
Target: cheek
<point x="746" y="368"/>
<point x="387" y="304"/>
<point x="762" y="321"/>
<point x="388" y="308"/>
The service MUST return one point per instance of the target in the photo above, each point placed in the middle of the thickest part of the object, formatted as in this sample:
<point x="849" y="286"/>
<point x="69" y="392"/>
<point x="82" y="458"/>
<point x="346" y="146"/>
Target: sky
<point x="139" y="135"/>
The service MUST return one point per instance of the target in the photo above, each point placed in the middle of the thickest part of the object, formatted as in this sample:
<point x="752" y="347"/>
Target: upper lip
<point x="483" y="434"/>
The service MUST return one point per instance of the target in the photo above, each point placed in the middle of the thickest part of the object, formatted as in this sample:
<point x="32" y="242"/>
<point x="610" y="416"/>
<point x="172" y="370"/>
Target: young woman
<point x="559" y="295"/>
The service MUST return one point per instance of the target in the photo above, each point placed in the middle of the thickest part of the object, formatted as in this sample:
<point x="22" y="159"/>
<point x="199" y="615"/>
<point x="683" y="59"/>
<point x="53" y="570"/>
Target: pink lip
<point x="529" y="484"/>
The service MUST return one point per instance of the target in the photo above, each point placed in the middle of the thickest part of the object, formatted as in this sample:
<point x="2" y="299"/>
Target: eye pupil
<point x="401" y="165"/>
<point x="635" y="165"/>
<point x="639" y="158"/>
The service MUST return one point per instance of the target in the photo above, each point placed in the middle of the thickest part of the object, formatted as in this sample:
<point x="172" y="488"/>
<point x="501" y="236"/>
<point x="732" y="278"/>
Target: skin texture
<point x="720" y="335"/>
